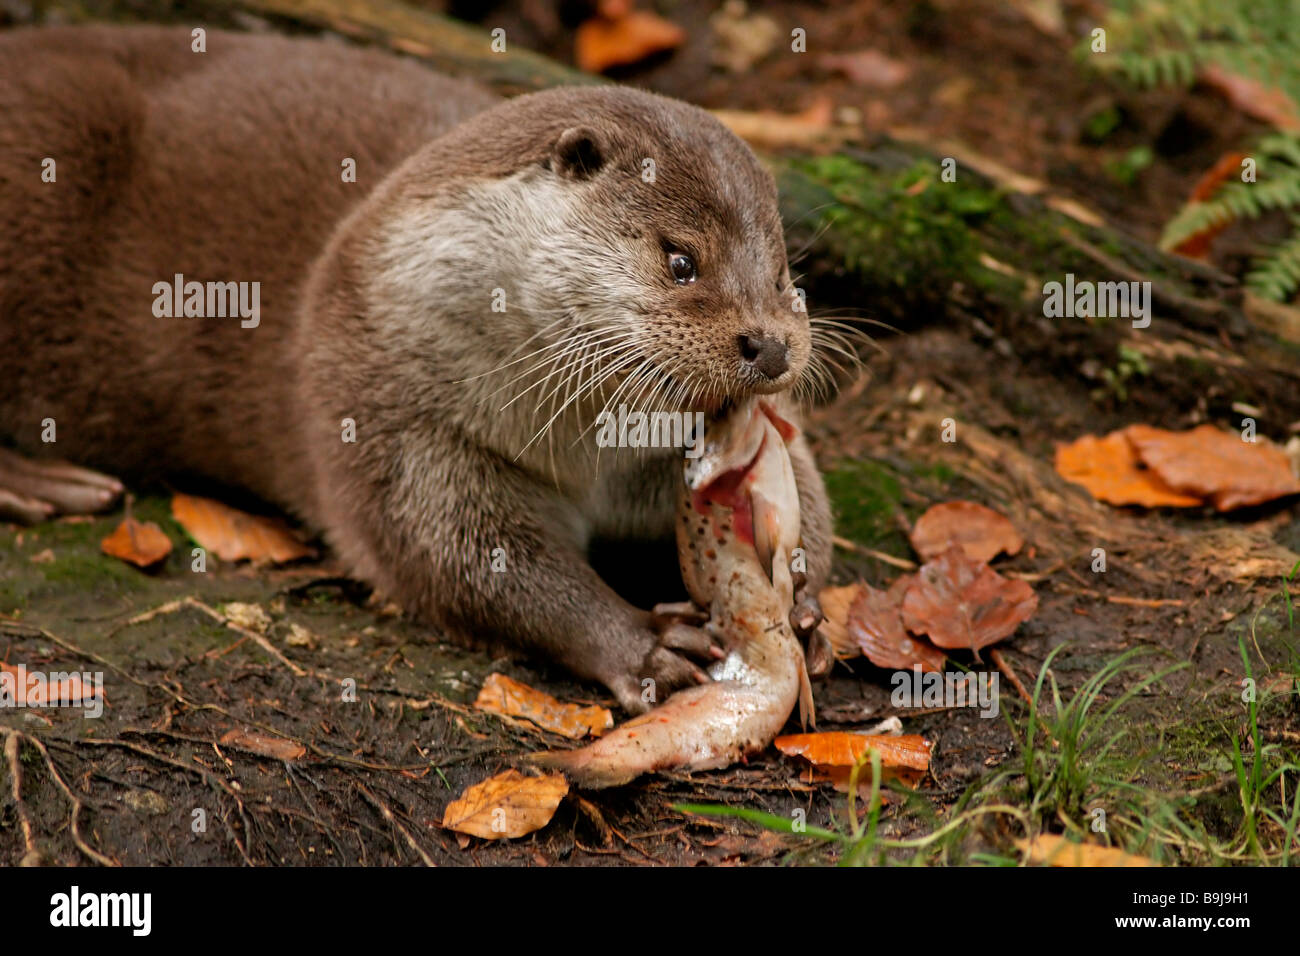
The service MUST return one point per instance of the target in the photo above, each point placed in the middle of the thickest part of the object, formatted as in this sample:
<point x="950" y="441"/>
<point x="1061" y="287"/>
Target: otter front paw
<point x="671" y="660"/>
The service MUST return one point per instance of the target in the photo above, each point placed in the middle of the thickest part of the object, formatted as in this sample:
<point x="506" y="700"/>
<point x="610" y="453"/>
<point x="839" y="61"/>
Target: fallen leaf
<point x="299" y="636"/>
<point x="506" y="806"/>
<point x="869" y="68"/>
<point x="36" y="691"/>
<point x="843" y="749"/>
<point x="835" y="604"/>
<point x="741" y="38"/>
<point x="251" y="617"/>
<point x="234" y="535"/>
<point x="43" y="557"/>
<point x="1214" y="464"/>
<point x="1267" y="103"/>
<point x="958" y="602"/>
<point x="769" y="129"/>
<point x="1054" y="850"/>
<point x="875" y="623"/>
<point x="501" y="695"/>
<point x="143" y="545"/>
<point x="979" y="531"/>
<point x="268" y="746"/>
<point x="1110" y="470"/>
<point x="607" y="41"/>
<point x="841" y="777"/>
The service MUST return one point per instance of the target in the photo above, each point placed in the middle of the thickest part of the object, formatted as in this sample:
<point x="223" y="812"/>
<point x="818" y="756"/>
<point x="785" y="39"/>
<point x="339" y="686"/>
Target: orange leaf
<point x="1110" y="470"/>
<point x="979" y="531"/>
<point x="1205" y="461"/>
<point x="506" y="806"/>
<point x="876" y="623"/>
<point x="41" y="693"/>
<point x="603" y="42"/>
<point x="143" y="545"/>
<point x="841" y="749"/>
<point x="963" y="603"/>
<point x="841" y="777"/>
<point x="501" y="695"/>
<point x="1053" y="850"/>
<point x="234" y="535"/>
<point x="267" y="746"/>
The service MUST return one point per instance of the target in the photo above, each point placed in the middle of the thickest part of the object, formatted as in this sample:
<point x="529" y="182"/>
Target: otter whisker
<point x="550" y="421"/>
<point x="558" y="364"/>
<point x="588" y="359"/>
<point x="523" y="358"/>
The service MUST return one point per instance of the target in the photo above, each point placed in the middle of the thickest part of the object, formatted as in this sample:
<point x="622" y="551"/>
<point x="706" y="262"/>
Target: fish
<point x="737" y="539"/>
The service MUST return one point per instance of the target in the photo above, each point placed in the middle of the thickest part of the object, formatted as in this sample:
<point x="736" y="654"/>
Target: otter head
<point x="674" y="237"/>
<point x="634" y="241"/>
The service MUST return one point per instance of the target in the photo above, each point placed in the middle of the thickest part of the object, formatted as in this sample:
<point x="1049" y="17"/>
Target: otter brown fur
<point x="377" y="309"/>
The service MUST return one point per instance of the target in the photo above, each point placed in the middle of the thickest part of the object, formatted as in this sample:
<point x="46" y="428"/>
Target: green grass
<point x="1101" y="748"/>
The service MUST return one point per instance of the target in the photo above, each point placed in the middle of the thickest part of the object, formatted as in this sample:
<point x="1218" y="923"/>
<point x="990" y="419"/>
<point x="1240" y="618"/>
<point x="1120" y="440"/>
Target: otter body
<point x="433" y="342"/>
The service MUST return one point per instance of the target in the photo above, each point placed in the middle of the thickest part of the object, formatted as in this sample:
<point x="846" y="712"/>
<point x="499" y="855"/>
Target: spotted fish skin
<point x="737" y="527"/>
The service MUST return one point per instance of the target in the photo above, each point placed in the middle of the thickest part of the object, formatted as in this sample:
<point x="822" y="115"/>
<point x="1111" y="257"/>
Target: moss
<point x="939" y="473"/>
<point x="901" y="230"/>
<point x="866" y="498"/>
<point x="91" y="572"/>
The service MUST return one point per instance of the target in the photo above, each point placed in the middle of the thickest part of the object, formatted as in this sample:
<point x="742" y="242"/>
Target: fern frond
<point x="1276" y="275"/>
<point x="1278" y="188"/>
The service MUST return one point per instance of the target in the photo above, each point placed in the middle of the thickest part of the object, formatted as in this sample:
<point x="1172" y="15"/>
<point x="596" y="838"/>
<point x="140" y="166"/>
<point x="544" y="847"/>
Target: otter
<point x="435" y="336"/>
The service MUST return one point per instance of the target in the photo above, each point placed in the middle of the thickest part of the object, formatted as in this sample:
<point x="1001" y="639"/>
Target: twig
<point x="210" y="778"/>
<point x="216" y="615"/>
<point x="32" y="856"/>
<point x="11" y="750"/>
<point x="853" y="546"/>
<point x="388" y="815"/>
<point x="1002" y="664"/>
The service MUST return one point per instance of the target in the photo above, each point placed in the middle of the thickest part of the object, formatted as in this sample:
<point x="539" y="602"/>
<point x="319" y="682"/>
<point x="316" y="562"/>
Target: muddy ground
<point x="1186" y="591"/>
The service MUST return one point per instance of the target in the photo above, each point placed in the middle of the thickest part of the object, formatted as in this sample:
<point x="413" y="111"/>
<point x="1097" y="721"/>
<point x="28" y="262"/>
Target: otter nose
<point x="769" y="356"/>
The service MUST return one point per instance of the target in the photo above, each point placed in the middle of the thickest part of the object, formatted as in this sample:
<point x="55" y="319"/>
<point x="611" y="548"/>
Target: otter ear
<point x="578" y="153"/>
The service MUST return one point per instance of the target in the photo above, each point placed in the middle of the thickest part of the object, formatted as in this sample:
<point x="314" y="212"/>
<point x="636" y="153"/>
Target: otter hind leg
<point x="32" y="491"/>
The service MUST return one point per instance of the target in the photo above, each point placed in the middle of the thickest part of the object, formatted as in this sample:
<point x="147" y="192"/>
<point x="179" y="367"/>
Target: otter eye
<point x="682" y="267"/>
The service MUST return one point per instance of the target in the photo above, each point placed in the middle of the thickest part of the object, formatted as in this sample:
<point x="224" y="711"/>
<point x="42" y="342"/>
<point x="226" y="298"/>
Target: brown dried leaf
<point x="606" y="41"/>
<point x="506" y="806"/>
<point x="869" y="68"/>
<point x="234" y="535"/>
<point x="835" y="604"/>
<point x="1111" y="472"/>
<point x="963" y="603"/>
<point x="979" y="531"/>
<point x="1054" y="850"/>
<point x="843" y="749"/>
<point x="768" y="129"/>
<point x="1215" y="464"/>
<point x="143" y="545"/>
<point x="1268" y="103"/>
<point x="875" y="624"/>
<point x="501" y="695"/>
<point x="268" y="746"/>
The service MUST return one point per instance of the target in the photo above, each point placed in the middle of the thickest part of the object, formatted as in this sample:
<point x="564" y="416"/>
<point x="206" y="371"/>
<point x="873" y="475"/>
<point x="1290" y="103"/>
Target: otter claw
<point x="676" y="612"/>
